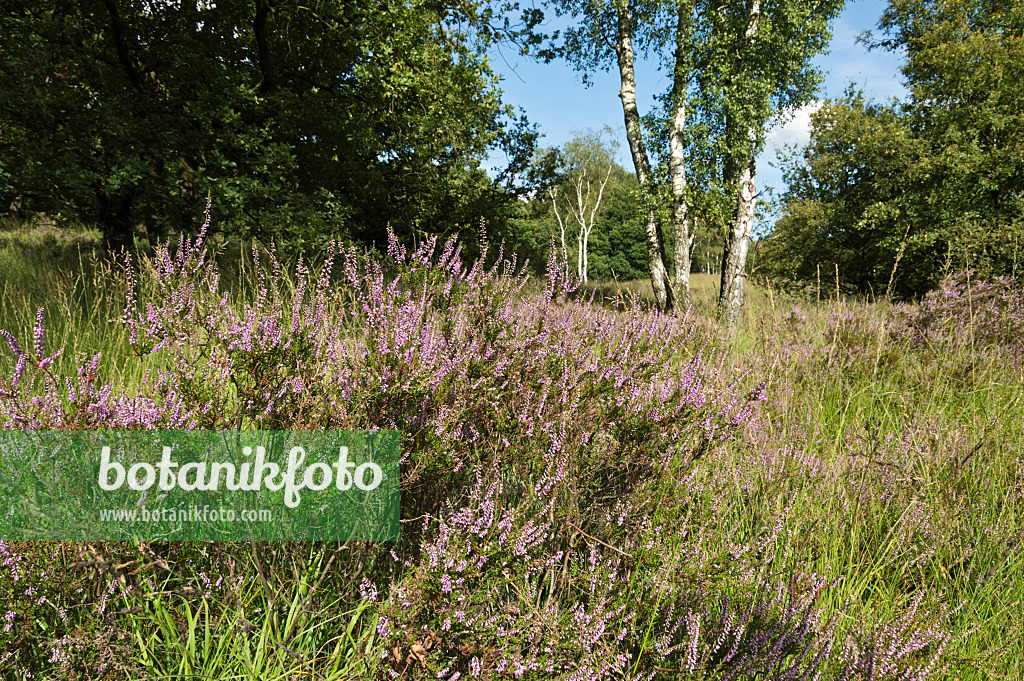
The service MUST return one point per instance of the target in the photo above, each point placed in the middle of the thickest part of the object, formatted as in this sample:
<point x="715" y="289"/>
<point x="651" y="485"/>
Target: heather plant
<point x="908" y="478"/>
<point x="967" y="312"/>
<point x="795" y="319"/>
<point x="29" y="592"/>
<point x="857" y="340"/>
<point x="446" y="362"/>
<point x="489" y="597"/>
<point x="587" y="493"/>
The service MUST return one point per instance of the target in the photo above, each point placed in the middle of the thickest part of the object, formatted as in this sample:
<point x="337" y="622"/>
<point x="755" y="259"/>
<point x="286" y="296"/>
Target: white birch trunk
<point x="734" y="263"/>
<point x="737" y="241"/>
<point x="561" y="228"/>
<point x="683" y="240"/>
<point x="627" y="93"/>
<point x="587" y="221"/>
<point x="579" y="257"/>
<point x="586" y="240"/>
<point x="581" y="219"/>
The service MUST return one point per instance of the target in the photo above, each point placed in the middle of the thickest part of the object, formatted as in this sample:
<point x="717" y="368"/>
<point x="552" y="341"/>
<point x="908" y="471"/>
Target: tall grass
<point x="68" y="274"/>
<point x="590" y="490"/>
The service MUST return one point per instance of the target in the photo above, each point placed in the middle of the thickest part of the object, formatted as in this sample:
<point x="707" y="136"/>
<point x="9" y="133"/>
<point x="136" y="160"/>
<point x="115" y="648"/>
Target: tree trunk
<point x="587" y="221"/>
<point x="624" y="51"/>
<point x="586" y="241"/>
<point x="677" y="160"/>
<point x="115" y="223"/>
<point x="561" y="229"/>
<point x="581" y="218"/>
<point x="579" y="257"/>
<point x="737" y="239"/>
<point x="737" y="242"/>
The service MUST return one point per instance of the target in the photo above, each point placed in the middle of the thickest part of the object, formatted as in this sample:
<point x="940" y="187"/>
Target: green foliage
<point x="742" y="82"/>
<point x="299" y="120"/>
<point x="49" y="598"/>
<point x="835" y="210"/>
<point x="574" y="178"/>
<point x="880" y="486"/>
<point x="617" y="248"/>
<point x="932" y="181"/>
<point x="247" y="635"/>
<point x="736" y="67"/>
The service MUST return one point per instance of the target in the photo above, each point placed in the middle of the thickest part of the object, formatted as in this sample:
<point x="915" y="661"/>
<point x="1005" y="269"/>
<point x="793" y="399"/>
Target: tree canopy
<point x="735" y="66"/>
<point x="590" y="205"/>
<point x="298" y="119"/>
<point x="935" y="181"/>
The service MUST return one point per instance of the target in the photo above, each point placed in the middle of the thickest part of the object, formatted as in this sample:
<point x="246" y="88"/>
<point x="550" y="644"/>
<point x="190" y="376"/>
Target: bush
<point x="558" y="518"/>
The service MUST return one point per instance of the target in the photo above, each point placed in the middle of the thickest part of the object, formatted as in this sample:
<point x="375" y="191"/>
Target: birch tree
<point x="574" y="178"/>
<point x="682" y="73"/>
<point x="625" y="55"/>
<point x="553" y="193"/>
<point x="602" y="36"/>
<point x="740" y="165"/>
<point x="755" y="69"/>
<point x="590" y="158"/>
<point x="585" y="218"/>
<point x="737" y="65"/>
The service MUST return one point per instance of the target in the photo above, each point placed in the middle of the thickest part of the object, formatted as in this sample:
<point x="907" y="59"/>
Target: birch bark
<point x="663" y="293"/>
<point x="553" y="193"/>
<point x="586" y="221"/>
<point x="737" y="241"/>
<point x="683" y="241"/>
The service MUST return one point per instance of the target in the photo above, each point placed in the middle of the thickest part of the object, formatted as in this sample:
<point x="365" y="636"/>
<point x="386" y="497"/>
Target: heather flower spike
<point x="11" y="341"/>
<point x="39" y="335"/>
<point x="19" y="370"/>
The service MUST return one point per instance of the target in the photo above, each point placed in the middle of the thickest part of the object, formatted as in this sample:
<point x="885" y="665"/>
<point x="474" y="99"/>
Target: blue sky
<point x="554" y="97"/>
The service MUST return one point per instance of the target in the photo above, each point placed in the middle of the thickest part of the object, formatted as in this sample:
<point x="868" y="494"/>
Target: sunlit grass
<point x="891" y="468"/>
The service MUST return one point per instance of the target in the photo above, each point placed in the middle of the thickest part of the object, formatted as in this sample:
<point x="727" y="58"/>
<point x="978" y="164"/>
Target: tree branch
<point x="267" y="82"/>
<point x="123" y="56"/>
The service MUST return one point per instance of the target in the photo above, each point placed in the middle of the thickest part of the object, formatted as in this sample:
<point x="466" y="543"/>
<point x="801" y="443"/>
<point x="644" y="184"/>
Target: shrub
<point x="555" y="521"/>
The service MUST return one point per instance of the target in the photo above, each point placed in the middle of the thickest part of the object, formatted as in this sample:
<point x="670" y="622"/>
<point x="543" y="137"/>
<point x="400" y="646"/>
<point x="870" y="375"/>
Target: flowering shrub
<point x="556" y="521"/>
<point x="43" y="608"/>
<point x="968" y="311"/>
<point x="795" y="319"/>
<point x="857" y="341"/>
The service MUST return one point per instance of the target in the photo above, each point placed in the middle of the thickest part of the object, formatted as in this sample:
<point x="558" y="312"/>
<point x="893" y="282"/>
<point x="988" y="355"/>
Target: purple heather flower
<point x="39" y="335"/>
<point x="15" y="348"/>
<point x="19" y="369"/>
<point x="367" y="590"/>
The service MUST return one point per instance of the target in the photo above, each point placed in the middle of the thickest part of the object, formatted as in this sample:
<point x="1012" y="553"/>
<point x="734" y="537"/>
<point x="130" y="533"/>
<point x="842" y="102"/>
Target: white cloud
<point x="796" y="130"/>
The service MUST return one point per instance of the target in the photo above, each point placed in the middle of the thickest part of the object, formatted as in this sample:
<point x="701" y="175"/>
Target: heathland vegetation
<point x="589" y="487"/>
<point x="827" y="485"/>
